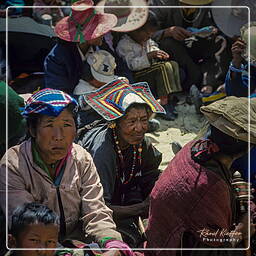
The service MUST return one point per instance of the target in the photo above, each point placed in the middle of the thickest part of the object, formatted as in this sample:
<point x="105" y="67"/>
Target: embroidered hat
<point x="84" y="23"/>
<point x="48" y="102"/>
<point x="245" y="37"/>
<point x="130" y="14"/>
<point x="102" y="65"/>
<point x="236" y="14"/>
<point x="230" y="116"/>
<point x="112" y="99"/>
<point x="196" y="2"/>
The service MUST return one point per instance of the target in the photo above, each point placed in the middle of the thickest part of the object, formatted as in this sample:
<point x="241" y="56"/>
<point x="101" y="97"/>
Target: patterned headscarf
<point x="48" y="102"/>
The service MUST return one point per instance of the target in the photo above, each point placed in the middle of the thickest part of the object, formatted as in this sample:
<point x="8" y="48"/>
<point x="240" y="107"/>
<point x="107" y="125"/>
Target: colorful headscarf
<point x="112" y="99"/>
<point x="48" y="102"/>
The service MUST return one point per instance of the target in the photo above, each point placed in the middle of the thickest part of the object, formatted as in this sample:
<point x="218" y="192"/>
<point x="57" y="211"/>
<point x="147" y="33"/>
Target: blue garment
<point x="238" y="85"/>
<point x="63" y="67"/>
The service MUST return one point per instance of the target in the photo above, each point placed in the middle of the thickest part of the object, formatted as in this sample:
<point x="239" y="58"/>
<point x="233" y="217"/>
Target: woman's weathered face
<point x="133" y="126"/>
<point x="54" y="135"/>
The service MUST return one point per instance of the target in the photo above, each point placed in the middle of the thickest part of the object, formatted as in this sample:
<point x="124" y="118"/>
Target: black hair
<point x="31" y="213"/>
<point x="228" y="145"/>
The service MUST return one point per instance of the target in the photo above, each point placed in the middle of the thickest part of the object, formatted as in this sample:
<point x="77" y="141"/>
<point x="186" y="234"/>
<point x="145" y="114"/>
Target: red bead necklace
<point x="137" y="151"/>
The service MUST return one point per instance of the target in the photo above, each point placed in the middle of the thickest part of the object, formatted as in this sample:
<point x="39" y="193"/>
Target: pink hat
<point x="84" y="23"/>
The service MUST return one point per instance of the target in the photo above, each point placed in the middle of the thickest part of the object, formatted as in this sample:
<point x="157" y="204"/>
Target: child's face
<point x="37" y="236"/>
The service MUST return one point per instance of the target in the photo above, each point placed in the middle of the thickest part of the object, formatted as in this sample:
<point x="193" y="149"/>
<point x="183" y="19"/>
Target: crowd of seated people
<point x="76" y="166"/>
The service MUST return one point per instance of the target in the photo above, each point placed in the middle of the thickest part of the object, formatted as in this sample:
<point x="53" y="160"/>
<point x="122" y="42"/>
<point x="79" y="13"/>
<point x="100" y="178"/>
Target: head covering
<point x="230" y="19"/>
<point x="245" y="37"/>
<point x="230" y="116"/>
<point x="84" y="23"/>
<point x="112" y="99"/>
<point x="196" y="2"/>
<point x="48" y="102"/>
<point x="102" y="65"/>
<point x="128" y="16"/>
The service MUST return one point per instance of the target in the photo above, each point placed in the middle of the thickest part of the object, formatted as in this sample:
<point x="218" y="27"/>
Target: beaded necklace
<point x="137" y="150"/>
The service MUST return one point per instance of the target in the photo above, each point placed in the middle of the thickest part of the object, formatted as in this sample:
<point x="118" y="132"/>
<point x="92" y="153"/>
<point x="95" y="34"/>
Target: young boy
<point x="33" y="226"/>
<point x="99" y="69"/>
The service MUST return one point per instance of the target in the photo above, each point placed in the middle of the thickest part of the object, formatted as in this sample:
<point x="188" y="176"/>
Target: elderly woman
<point x="193" y="204"/>
<point x="126" y="161"/>
<point x="49" y="168"/>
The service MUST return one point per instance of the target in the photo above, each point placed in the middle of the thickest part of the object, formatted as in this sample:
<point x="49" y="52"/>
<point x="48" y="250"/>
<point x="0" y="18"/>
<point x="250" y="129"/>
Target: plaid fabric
<point x="49" y="102"/>
<point x="112" y="99"/>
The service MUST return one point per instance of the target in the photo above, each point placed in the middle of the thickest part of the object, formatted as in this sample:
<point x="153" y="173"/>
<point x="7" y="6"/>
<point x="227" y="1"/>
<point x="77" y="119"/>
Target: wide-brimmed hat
<point x="196" y="2"/>
<point x="102" y="65"/>
<point x="230" y="19"/>
<point x="112" y="100"/>
<point x="230" y="116"/>
<point x="130" y="14"/>
<point x="245" y="38"/>
<point x="48" y="102"/>
<point x="84" y="23"/>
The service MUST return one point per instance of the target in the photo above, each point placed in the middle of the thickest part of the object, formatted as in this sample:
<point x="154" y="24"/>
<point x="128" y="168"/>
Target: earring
<point x="112" y="125"/>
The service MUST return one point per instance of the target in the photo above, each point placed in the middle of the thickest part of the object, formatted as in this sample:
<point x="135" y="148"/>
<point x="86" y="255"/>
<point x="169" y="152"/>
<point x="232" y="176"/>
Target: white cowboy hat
<point x="129" y="17"/>
<point x="102" y="65"/>
<point x="230" y="20"/>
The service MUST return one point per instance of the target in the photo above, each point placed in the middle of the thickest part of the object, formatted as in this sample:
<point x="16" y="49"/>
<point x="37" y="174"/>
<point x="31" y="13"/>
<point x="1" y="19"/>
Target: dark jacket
<point x="63" y="67"/>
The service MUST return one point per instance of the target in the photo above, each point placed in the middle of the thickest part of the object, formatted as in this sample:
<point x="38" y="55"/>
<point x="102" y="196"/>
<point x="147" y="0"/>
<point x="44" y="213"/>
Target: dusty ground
<point x="183" y="129"/>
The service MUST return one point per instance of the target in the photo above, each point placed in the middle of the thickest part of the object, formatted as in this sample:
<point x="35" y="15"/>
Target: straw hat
<point x="128" y="16"/>
<point x="85" y="23"/>
<point x="230" y="20"/>
<point x="230" y="116"/>
<point x="196" y="2"/>
<point x="245" y="37"/>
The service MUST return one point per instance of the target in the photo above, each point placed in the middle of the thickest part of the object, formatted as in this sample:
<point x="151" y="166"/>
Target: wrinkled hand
<point x="112" y="253"/>
<point x="158" y="54"/>
<point x="177" y="33"/>
<point x="237" y="49"/>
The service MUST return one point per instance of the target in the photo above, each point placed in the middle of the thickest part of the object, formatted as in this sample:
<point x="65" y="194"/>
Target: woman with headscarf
<point x="126" y="161"/>
<point x="49" y="168"/>
<point x="193" y="203"/>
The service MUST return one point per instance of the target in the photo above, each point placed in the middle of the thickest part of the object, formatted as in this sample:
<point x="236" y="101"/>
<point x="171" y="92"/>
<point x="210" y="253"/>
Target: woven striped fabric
<point x="49" y="102"/>
<point x="112" y="99"/>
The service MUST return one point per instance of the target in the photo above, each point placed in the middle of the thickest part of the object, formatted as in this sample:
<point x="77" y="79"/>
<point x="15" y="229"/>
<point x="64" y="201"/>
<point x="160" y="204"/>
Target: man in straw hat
<point x="79" y="31"/>
<point x="193" y="203"/>
<point x="194" y="51"/>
